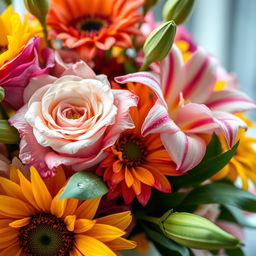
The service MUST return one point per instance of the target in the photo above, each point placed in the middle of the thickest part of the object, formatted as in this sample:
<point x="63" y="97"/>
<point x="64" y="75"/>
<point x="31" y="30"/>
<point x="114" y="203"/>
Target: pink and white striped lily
<point x="188" y="106"/>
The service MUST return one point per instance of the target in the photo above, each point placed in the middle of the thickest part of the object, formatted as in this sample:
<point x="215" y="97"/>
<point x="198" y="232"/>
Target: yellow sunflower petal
<point x="121" y="244"/>
<point x="120" y="220"/>
<point x="14" y="175"/>
<point x="105" y="232"/>
<point x="9" y="236"/>
<point x="88" y="208"/>
<point x="14" y="208"/>
<point x="20" y="223"/>
<point x="71" y="206"/>
<point x="83" y="225"/>
<point x="13" y="250"/>
<point x="11" y="188"/>
<point x="40" y="191"/>
<point x="76" y="252"/>
<point x="58" y="206"/>
<point x="90" y="246"/>
<point x="70" y="222"/>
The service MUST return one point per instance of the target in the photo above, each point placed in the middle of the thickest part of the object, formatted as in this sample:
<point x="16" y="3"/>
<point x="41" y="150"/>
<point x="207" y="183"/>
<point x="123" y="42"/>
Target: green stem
<point x="45" y="31"/>
<point x="3" y="113"/>
<point x="144" y="67"/>
<point x="152" y="220"/>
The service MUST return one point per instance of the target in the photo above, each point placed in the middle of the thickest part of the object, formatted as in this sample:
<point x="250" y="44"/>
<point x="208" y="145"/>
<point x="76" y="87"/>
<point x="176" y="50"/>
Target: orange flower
<point x="88" y="25"/>
<point x="135" y="163"/>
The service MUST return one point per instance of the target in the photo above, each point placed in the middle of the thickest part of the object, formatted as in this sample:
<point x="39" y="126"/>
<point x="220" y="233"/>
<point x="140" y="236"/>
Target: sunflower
<point x="14" y="34"/>
<point x="34" y="222"/>
<point x="136" y="163"/>
<point x="242" y="164"/>
<point x="88" y="25"/>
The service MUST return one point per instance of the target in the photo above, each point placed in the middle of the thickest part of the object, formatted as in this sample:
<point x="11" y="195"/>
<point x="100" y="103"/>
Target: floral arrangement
<point x="116" y="132"/>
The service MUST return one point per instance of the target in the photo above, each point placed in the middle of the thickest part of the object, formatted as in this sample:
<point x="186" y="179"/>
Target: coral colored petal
<point x="120" y="220"/>
<point x="128" y="194"/>
<point x="144" y="176"/>
<point x="90" y="246"/>
<point x="128" y="177"/>
<point x="158" y="121"/>
<point x="136" y="186"/>
<point x="186" y="151"/>
<point x="88" y="208"/>
<point x="145" y="195"/>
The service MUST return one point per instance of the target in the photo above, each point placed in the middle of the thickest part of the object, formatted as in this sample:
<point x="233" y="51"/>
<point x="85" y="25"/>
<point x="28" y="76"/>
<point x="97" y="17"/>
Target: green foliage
<point x="83" y="186"/>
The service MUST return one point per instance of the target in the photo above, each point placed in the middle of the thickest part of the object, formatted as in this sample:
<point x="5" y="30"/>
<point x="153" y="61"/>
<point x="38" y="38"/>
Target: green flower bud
<point x="148" y="5"/>
<point x="8" y="134"/>
<point x="39" y="8"/>
<point x="177" y="10"/>
<point x="2" y="94"/>
<point x="159" y="43"/>
<point x="194" y="231"/>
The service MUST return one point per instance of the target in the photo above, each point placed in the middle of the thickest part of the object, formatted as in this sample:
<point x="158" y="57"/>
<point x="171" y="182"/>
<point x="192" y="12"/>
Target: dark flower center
<point x="91" y="25"/>
<point x="132" y="148"/>
<point x="46" y="235"/>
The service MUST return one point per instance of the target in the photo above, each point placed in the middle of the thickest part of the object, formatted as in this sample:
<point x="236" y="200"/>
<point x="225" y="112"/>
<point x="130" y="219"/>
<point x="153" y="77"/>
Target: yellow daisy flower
<point x="34" y="222"/>
<point x="14" y="34"/>
<point x="243" y="163"/>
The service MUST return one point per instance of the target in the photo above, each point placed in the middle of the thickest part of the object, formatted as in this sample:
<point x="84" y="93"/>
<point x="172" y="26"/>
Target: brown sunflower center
<point x="46" y="235"/>
<point x="132" y="148"/>
<point x="3" y="48"/>
<point x="90" y="25"/>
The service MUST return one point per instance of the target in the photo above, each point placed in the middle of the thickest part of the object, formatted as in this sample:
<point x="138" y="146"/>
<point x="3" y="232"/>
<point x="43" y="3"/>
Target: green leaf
<point x="84" y="185"/>
<point x="210" y="165"/>
<point x="218" y="193"/>
<point x="232" y="214"/>
<point x="214" y="148"/>
<point x="8" y="134"/>
<point x="163" y="241"/>
<point x="236" y="252"/>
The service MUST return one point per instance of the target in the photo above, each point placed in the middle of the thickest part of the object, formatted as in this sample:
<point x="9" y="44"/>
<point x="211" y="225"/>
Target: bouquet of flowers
<point x="117" y="131"/>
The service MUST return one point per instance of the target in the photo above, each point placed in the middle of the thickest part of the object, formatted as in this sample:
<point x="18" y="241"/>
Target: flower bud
<point x="177" y="10"/>
<point x="194" y="231"/>
<point x="8" y="134"/>
<point x="2" y="94"/>
<point x="159" y="42"/>
<point x="39" y="8"/>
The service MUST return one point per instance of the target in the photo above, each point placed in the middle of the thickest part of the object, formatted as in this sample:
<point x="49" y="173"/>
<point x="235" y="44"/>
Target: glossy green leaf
<point x="219" y="193"/>
<point x="163" y="241"/>
<point x="209" y="166"/>
<point x="232" y="214"/>
<point x="84" y="185"/>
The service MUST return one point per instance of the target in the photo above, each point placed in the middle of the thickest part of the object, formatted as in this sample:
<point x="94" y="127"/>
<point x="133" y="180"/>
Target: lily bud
<point x="8" y="134"/>
<point x="177" y="10"/>
<point x="39" y="8"/>
<point x="159" y="43"/>
<point x="2" y="94"/>
<point x="194" y="231"/>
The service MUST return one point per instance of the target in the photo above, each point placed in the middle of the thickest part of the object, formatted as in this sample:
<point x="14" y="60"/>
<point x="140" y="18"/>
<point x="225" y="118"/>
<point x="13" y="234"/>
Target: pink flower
<point x="15" y="74"/>
<point x="188" y="105"/>
<point x="71" y="120"/>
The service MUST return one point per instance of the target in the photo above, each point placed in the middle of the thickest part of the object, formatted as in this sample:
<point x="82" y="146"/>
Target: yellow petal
<point x="90" y="246"/>
<point x="14" y="175"/>
<point x="121" y="244"/>
<point x="26" y="189"/>
<point x="76" y="252"/>
<point x="11" y="188"/>
<point x="120" y="220"/>
<point x="83" y="225"/>
<point x="14" y="208"/>
<point x="70" y="222"/>
<point x="8" y="236"/>
<point x="20" y="223"/>
<point x="71" y="206"/>
<point x="105" y="232"/>
<point x="13" y="250"/>
<point x="40" y="191"/>
<point x="88" y="208"/>
<point x="58" y="206"/>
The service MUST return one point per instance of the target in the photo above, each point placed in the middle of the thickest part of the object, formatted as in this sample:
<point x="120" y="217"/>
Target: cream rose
<point x="71" y="120"/>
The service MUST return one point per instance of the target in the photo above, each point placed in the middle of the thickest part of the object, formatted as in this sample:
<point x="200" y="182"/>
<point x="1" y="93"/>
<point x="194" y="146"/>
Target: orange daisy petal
<point x="144" y="176"/>
<point x="128" y="177"/>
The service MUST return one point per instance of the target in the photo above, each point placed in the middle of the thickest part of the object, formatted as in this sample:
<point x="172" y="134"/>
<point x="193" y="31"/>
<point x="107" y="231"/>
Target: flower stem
<point x="152" y="220"/>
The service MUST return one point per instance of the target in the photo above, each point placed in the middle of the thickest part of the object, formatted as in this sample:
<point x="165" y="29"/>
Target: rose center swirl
<point x="46" y="235"/>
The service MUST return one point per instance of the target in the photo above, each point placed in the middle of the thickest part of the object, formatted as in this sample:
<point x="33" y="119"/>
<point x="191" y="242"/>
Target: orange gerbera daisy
<point x="34" y="222"/>
<point x="135" y="163"/>
<point x="88" y="25"/>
